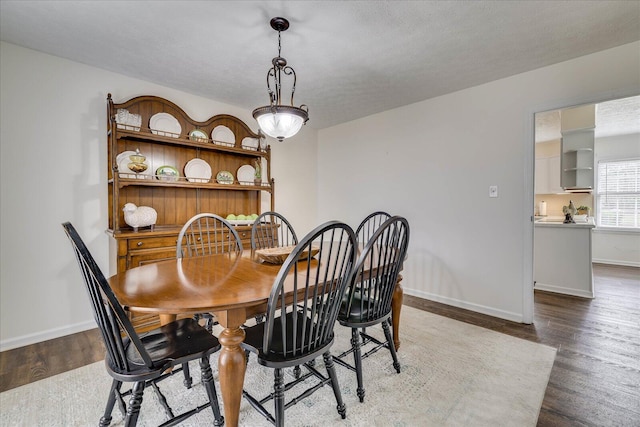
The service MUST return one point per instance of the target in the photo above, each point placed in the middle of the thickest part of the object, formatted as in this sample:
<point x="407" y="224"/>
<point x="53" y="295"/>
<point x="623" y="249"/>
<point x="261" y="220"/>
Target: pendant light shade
<point x="277" y="120"/>
<point x="281" y="121"/>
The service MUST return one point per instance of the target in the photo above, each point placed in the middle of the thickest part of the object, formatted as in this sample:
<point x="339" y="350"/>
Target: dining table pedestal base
<point x="231" y="363"/>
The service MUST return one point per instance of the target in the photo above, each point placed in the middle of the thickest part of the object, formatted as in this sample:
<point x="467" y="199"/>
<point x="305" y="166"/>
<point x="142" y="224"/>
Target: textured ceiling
<point x="616" y="117"/>
<point x="352" y="58"/>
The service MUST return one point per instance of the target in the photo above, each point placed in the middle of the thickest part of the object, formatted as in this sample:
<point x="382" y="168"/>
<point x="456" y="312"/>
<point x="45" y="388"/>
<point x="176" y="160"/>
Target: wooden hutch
<point x="177" y="199"/>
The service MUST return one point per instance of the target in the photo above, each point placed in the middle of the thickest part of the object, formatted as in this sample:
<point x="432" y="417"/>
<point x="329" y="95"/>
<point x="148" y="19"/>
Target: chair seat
<point x="277" y="356"/>
<point x="360" y="312"/>
<point x="169" y="345"/>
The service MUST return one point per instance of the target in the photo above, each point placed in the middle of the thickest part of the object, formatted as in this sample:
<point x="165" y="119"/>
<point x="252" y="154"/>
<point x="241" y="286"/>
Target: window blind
<point x="618" y="194"/>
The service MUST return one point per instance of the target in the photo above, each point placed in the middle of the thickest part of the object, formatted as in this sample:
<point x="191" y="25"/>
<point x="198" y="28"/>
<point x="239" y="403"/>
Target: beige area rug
<point x="453" y="374"/>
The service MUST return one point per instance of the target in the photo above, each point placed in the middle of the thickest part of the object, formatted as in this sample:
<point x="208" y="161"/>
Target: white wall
<point x="613" y="246"/>
<point x="434" y="161"/>
<point x="53" y="169"/>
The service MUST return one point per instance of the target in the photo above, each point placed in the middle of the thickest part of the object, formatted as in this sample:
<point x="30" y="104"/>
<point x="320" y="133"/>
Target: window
<point x="618" y="194"/>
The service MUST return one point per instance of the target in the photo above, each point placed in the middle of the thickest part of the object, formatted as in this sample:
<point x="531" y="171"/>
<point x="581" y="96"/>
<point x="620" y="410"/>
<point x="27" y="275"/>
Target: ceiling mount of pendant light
<point x="277" y="120"/>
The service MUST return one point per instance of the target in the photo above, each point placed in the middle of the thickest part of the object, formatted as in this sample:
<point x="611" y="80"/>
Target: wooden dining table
<point x="234" y="287"/>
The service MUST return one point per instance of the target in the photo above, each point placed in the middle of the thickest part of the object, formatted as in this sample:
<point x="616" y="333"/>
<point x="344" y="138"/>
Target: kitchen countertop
<point x="557" y="221"/>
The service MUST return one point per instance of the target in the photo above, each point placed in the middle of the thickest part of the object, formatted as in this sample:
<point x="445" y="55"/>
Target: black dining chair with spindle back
<point x="369" y="296"/>
<point x="206" y="234"/>
<point x="369" y="225"/>
<point x="272" y="230"/>
<point x="144" y="359"/>
<point x="301" y="314"/>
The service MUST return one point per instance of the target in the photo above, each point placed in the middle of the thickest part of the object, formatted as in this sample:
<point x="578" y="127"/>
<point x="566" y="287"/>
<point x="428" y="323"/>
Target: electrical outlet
<point x="493" y="191"/>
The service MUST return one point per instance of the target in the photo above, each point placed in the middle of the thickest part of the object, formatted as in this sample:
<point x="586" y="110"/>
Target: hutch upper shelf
<point x="177" y="197"/>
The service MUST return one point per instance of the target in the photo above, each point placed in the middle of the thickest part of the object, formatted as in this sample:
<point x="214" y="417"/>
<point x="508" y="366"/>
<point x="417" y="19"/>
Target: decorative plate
<point x="224" y="177"/>
<point x="164" y="124"/>
<point x="123" y="161"/>
<point x="250" y="144"/>
<point x="167" y="173"/>
<point x="246" y="174"/>
<point x="223" y="135"/>
<point x="198" y="135"/>
<point x="197" y="170"/>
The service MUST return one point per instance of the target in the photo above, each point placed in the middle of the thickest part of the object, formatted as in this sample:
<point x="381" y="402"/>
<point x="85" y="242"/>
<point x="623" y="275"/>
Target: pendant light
<point x="277" y="120"/>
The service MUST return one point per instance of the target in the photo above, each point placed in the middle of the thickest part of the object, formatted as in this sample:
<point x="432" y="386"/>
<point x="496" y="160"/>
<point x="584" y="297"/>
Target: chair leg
<point x="392" y="348"/>
<point x="133" y="410"/>
<point x="357" y="361"/>
<point x="187" y="375"/>
<point x="115" y="389"/>
<point x="207" y="380"/>
<point x="331" y="371"/>
<point x="278" y="396"/>
<point x="209" y="322"/>
<point x="197" y="317"/>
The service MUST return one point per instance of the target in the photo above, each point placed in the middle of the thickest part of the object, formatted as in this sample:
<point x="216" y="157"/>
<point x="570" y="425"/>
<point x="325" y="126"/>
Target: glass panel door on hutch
<point x="169" y="179"/>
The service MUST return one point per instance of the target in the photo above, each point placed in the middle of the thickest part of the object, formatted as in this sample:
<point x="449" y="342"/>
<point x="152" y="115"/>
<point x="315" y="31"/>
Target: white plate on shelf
<point x="165" y="124"/>
<point x="224" y="177"/>
<point x="197" y="170"/>
<point x="123" y="161"/>
<point x="250" y="143"/>
<point x="246" y="174"/>
<point x="224" y="135"/>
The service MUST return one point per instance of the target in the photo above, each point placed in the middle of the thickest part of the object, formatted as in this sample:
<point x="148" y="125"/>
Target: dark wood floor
<point x="595" y="380"/>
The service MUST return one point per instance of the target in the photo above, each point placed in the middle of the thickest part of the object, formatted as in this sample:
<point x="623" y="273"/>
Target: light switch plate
<point x="493" y="191"/>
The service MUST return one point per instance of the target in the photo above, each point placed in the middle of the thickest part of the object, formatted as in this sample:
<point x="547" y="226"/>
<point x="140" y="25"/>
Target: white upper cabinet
<point x="547" y="178"/>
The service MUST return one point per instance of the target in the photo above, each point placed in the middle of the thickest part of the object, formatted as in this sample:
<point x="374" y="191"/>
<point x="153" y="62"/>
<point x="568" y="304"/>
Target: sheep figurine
<point x="141" y="216"/>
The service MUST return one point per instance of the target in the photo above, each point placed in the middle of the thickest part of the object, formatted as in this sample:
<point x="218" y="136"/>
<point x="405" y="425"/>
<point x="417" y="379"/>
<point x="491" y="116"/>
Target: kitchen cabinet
<point x="547" y="179"/>
<point x="562" y="257"/>
<point x="577" y="159"/>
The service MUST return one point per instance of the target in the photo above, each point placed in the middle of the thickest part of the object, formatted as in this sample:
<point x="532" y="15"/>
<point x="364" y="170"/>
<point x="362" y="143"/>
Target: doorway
<point x="616" y="136"/>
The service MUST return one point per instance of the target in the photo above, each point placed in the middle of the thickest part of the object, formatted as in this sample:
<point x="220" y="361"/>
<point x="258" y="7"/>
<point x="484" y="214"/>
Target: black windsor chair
<point x="272" y="230"/>
<point x="144" y="359"/>
<point x="369" y="297"/>
<point x="207" y="234"/>
<point x="369" y="225"/>
<point x="299" y="327"/>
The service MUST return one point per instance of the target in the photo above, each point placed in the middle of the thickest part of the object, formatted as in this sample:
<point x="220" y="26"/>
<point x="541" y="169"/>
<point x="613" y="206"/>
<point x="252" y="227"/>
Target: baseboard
<point x="616" y="262"/>
<point x="490" y="311"/>
<point x="565" y="291"/>
<point x="21" y="341"/>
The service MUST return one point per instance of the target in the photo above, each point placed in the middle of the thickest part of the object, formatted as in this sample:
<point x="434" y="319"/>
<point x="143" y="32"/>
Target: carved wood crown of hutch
<point x="179" y="199"/>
